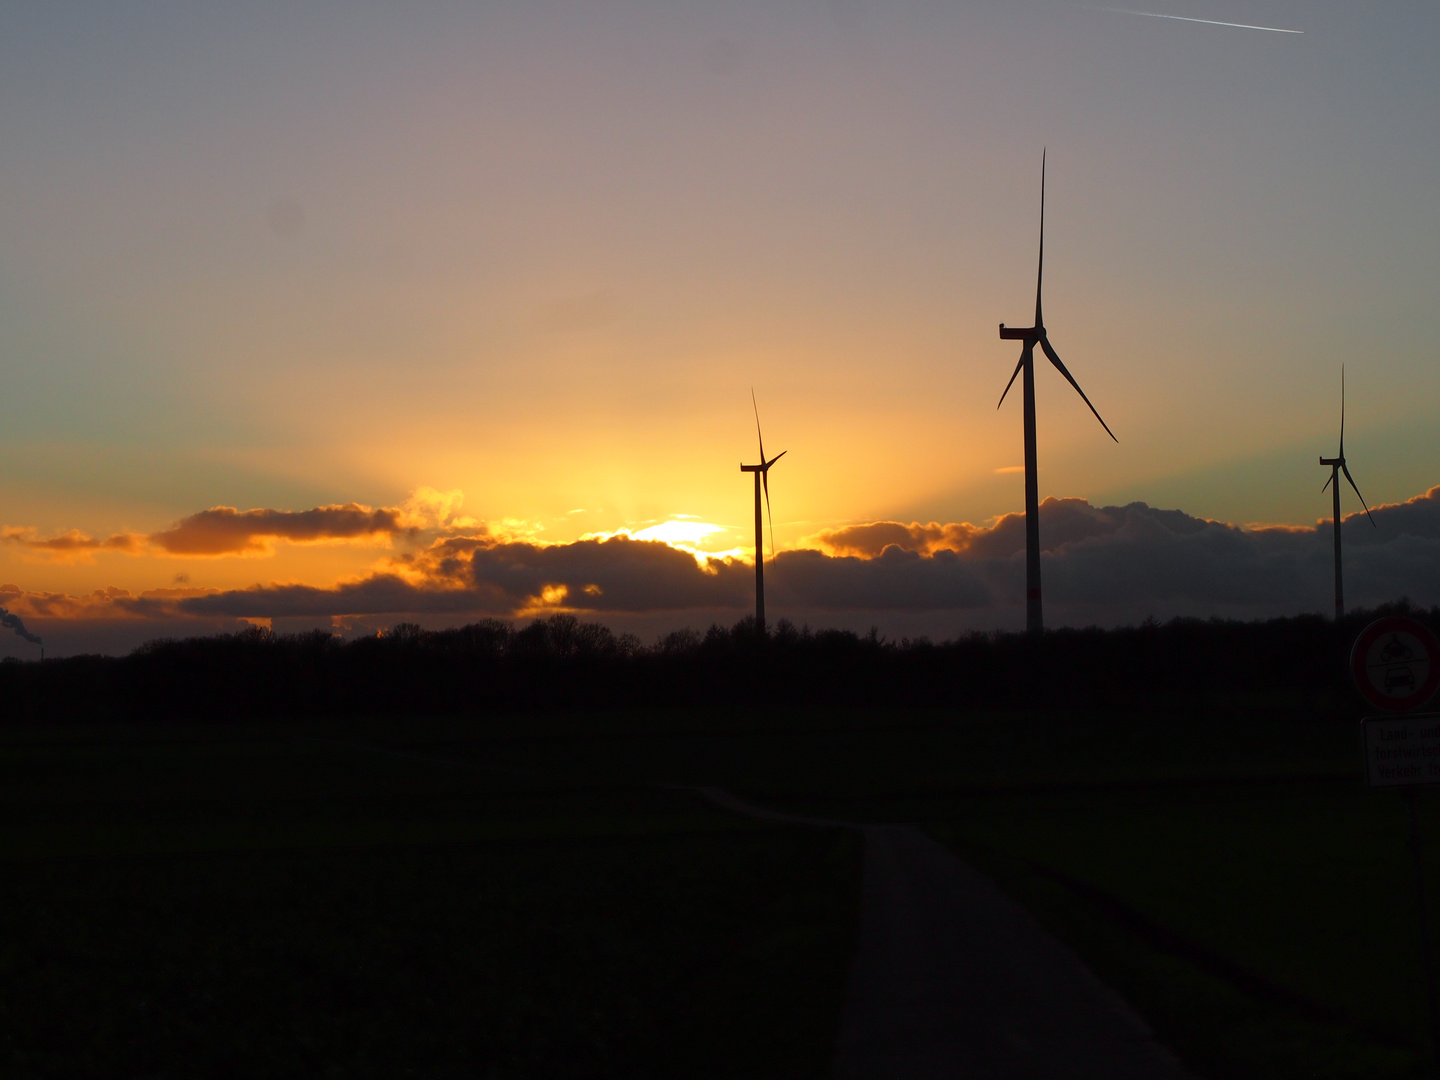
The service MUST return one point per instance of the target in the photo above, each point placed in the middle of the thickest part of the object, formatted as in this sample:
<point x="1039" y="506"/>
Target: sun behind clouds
<point x="677" y="531"/>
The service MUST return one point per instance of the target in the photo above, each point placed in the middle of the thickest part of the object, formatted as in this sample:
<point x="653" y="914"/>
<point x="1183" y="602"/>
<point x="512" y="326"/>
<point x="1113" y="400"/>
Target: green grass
<point x="190" y="901"/>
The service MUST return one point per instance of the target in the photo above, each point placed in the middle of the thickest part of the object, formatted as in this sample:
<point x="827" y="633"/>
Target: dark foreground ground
<point x="275" y="899"/>
<point x="243" y="902"/>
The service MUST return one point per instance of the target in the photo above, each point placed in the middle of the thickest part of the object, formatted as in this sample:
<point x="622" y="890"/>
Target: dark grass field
<point x="1230" y="875"/>
<point x="183" y="901"/>
<point x="1265" y="929"/>
<point x="515" y="897"/>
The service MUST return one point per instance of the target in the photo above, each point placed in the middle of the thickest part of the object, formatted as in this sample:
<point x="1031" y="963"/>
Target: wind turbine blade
<point x="1023" y="354"/>
<point x="1327" y="483"/>
<point x="1357" y="494"/>
<point x="1040" y="271"/>
<point x="1342" y="416"/>
<point x="1054" y="359"/>
<point x="757" y="423"/>
<point x="765" y="482"/>
<point x="774" y="459"/>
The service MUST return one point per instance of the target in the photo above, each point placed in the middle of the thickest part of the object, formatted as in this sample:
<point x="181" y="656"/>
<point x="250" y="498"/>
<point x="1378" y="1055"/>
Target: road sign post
<point x="1395" y="663"/>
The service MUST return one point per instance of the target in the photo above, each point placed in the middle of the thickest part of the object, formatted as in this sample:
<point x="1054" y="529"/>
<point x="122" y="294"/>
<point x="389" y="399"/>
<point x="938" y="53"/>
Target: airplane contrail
<point x="1207" y="22"/>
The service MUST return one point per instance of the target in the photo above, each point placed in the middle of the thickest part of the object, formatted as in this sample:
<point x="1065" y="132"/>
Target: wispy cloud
<point x="228" y="531"/>
<point x="72" y="546"/>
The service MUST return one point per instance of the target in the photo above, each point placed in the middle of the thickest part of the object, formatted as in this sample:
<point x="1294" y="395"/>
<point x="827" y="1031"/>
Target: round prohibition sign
<point x="1396" y="663"/>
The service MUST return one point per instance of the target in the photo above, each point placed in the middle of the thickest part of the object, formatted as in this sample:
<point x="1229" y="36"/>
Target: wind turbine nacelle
<point x="1016" y="333"/>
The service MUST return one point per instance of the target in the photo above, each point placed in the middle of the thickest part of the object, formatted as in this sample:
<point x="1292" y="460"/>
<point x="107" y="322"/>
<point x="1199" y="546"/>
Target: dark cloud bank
<point x="1105" y="566"/>
<point x="1102" y="565"/>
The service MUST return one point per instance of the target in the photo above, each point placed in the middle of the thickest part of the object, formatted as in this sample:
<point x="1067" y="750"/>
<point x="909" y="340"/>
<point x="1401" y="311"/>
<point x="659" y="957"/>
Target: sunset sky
<point x="501" y="276"/>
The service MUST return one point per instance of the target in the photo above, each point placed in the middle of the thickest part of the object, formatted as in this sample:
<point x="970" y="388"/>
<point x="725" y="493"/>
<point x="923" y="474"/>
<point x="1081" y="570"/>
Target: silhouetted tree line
<point x="1293" y="665"/>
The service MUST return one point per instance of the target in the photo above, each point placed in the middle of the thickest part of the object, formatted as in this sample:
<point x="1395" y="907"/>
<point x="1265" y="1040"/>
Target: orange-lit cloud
<point x="228" y="531"/>
<point x="224" y="530"/>
<point x="1103" y="565"/>
<point x="869" y="540"/>
<point x="1066" y="522"/>
<point x="1107" y="561"/>
<point x="107" y="603"/>
<point x="72" y="546"/>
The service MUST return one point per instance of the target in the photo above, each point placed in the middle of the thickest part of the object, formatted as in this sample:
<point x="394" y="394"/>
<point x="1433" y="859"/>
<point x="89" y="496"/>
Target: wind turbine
<point x="1337" y="466"/>
<point x="1032" y="336"/>
<point x="762" y="479"/>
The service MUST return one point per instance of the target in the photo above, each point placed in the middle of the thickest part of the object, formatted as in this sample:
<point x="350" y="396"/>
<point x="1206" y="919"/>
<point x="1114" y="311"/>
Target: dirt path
<point x="954" y="979"/>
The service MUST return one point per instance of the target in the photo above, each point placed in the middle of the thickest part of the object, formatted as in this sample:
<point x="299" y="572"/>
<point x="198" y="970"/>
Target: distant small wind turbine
<point x="1032" y="336"/>
<point x="1337" y="466"/>
<point x="762" y="478"/>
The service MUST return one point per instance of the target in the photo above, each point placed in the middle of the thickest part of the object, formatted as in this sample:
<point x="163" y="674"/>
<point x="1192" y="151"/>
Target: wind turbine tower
<point x="762" y="479"/>
<point x="1032" y="336"/>
<point x="1337" y="466"/>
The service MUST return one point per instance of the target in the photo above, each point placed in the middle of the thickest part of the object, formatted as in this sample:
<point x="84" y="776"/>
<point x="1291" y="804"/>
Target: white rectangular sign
<point x="1401" y="750"/>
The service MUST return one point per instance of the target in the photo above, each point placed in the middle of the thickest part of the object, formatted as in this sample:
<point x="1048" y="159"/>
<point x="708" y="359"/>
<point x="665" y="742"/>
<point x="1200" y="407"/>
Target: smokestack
<point x="14" y="623"/>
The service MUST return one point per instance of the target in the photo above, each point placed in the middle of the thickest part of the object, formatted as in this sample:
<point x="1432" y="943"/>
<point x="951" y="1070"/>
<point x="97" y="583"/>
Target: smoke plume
<point x="14" y="623"/>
